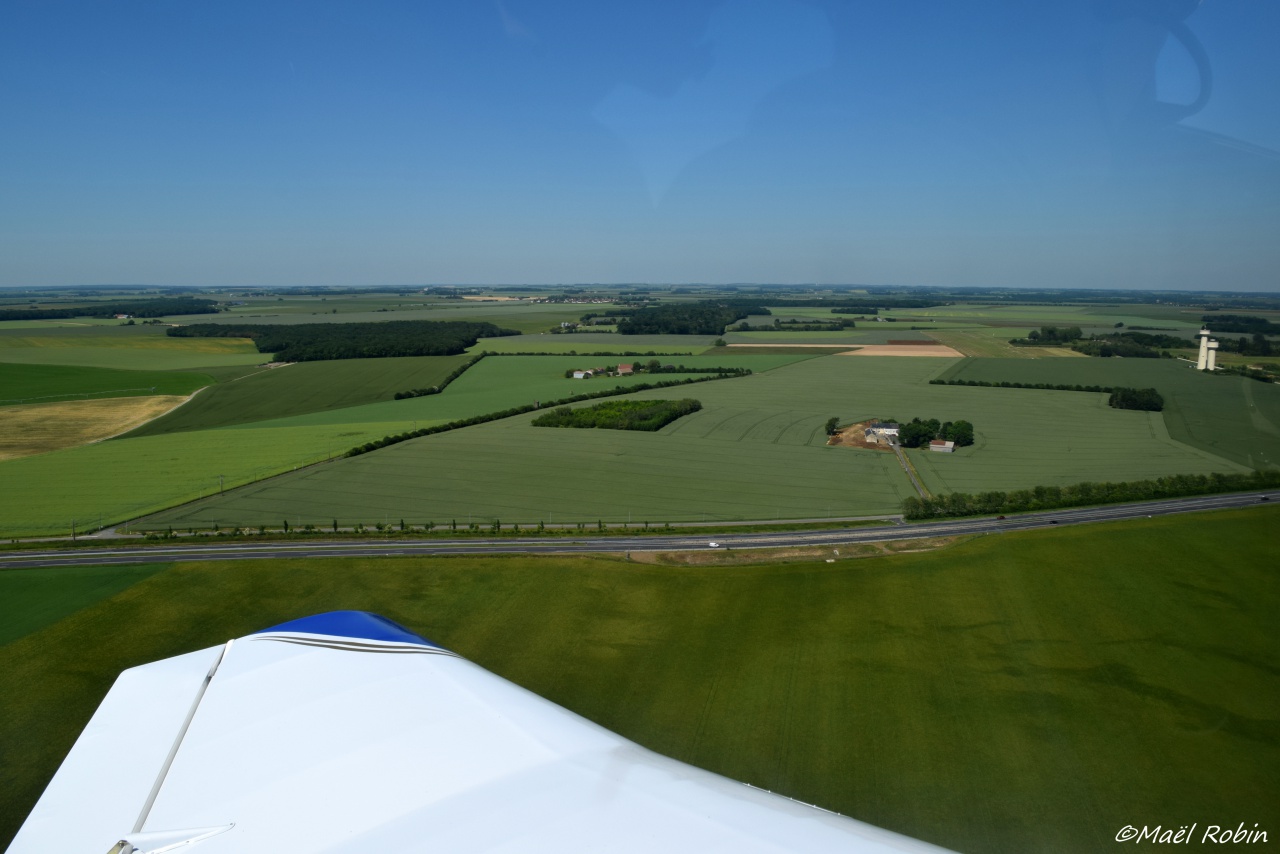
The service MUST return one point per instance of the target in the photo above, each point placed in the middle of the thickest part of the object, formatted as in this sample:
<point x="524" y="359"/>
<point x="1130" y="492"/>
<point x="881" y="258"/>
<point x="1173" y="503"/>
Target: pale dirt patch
<point x="939" y="350"/>
<point x="37" y="428"/>
<point x="855" y="436"/>
<point x="838" y="554"/>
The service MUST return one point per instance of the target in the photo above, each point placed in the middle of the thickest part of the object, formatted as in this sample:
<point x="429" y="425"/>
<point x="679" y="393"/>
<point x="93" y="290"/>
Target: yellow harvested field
<point x="940" y="350"/>
<point x="43" y="427"/>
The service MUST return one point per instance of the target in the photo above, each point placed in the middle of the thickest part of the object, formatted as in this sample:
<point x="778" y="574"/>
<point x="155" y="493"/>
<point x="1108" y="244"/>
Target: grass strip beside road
<point x="1029" y="692"/>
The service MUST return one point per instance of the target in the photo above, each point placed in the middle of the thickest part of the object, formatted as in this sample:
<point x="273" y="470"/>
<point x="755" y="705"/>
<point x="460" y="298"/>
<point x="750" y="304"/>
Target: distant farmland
<point x="755" y="451"/>
<point x="1235" y="418"/>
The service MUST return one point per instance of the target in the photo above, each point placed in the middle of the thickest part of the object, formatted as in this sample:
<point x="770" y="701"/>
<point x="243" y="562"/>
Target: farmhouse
<point x="625" y="370"/>
<point x="883" y="429"/>
<point x="942" y="446"/>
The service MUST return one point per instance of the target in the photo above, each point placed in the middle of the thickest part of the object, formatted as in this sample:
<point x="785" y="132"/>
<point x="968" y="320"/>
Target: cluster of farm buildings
<point x="887" y="432"/>
<point x="619" y="371"/>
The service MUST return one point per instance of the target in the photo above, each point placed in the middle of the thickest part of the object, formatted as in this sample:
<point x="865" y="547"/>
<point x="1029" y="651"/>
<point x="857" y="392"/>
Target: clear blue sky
<point x="1003" y="142"/>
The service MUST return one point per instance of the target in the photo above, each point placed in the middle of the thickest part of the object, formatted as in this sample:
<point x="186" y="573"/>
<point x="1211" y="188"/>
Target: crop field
<point x="525" y="317"/>
<point x="123" y="347"/>
<point x="515" y="473"/>
<point x="878" y="335"/>
<point x="42" y="383"/>
<point x="1233" y="417"/>
<point x="755" y="451"/>
<point x="504" y="382"/>
<point x="1024" y="693"/>
<point x="594" y="342"/>
<point x="993" y="342"/>
<point x="124" y="478"/>
<point x="44" y="427"/>
<point x="303" y="388"/>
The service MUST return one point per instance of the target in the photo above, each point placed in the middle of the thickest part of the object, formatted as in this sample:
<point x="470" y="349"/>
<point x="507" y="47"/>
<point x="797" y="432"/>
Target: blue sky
<point x="991" y="142"/>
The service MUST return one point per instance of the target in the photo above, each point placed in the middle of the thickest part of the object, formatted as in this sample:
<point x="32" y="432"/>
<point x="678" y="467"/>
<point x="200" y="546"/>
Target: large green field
<point x="123" y="347"/>
<point x="1232" y="417"/>
<point x="1013" y="694"/>
<point x="755" y="451"/>
<point x="124" y="478"/>
<point x="303" y="388"/>
<point x="595" y="342"/>
<point x="502" y="382"/>
<point x="46" y="383"/>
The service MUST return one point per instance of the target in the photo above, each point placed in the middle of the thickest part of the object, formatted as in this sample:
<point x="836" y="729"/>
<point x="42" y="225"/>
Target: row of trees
<point x="1050" y="335"/>
<point x="646" y="415"/>
<point x="1122" y="397"/>
<point x="1084" y="494"/>
<point x="436" y="389"/>
<point x="918" y="434"/>
<point x="793" y="325"/>
<point x="386" y="441"/>
<point x="1241" y="323"/>
<point x="653" y="366"/>
<point x="307" y="342"/>
<point x="156" y="307"/>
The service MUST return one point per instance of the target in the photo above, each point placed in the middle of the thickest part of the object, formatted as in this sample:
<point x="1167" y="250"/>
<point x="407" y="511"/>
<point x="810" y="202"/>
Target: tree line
<point x="646" y="415"/>
<point x="1122" y="397"/>
<point x="157" y="307"/>
<point x="918" y="433"/>
<point x="1241" y="323"/>
<point x="436" y="389"/>
<point x="1084" y="494"/>
<point x="309" y="342"/>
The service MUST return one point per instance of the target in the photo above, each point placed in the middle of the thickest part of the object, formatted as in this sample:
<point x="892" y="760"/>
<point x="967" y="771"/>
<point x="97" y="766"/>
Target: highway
<point x="834" y="537"/>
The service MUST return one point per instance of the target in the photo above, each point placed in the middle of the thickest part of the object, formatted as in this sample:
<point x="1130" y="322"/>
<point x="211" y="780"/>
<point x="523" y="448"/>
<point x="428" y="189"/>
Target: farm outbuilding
<point x="942" y="446"/>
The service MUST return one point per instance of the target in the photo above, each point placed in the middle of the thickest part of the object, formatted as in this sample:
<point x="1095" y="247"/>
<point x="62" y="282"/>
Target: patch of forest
<point x="311" y="342"/>
<point x="646" y="415"/>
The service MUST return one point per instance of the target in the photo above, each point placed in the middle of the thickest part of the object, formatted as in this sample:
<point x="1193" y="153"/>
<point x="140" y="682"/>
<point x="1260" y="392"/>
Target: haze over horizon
<point x="990" y="144"/>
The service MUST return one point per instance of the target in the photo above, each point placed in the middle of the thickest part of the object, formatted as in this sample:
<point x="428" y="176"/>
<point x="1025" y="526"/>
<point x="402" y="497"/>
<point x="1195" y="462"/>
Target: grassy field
<point x="993" y="342"/>
<point x="45" y="427"/>
<point x="124" y="478"/>
<point x="24" y="384"/>
<point x="1232" y="417"/>
<point x="303" y="388"/>
<point x="127" y="477"/>
<point x="31" y="599"/>
<point x="503" y="382"/>
<point x="144" y="348"/>
<point x="756" y="451"/>
<point x="522" y="316"/>
<point x="1023" y="693"/>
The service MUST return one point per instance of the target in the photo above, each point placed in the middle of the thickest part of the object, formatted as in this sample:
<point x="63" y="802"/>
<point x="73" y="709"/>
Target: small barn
<point x="942" y="446"/>
<point x="625" y="370"/>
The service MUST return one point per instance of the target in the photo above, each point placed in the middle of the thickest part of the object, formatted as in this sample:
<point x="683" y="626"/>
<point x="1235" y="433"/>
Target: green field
<point x="304" y="388"/>
<point x="1232" y="417"/>
<point x="1022" y="693"/>
<point x="522" y="316"/>
<point x="122" y="347"/>
<point x="31" y="599"/>
<point x="503" y="382"/>
<point x="48" y="383"/>
<point x="755" y="451"/>
<point x="595" y="342"/>
<point x="124" y="478"/>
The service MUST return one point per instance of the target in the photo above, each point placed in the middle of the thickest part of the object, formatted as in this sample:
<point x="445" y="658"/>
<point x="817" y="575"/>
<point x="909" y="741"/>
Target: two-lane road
<point x="834" y="537"/>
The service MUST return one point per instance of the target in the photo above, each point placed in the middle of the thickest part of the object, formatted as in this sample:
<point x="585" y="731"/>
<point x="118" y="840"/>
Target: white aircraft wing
<point x="344" y="733"/>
